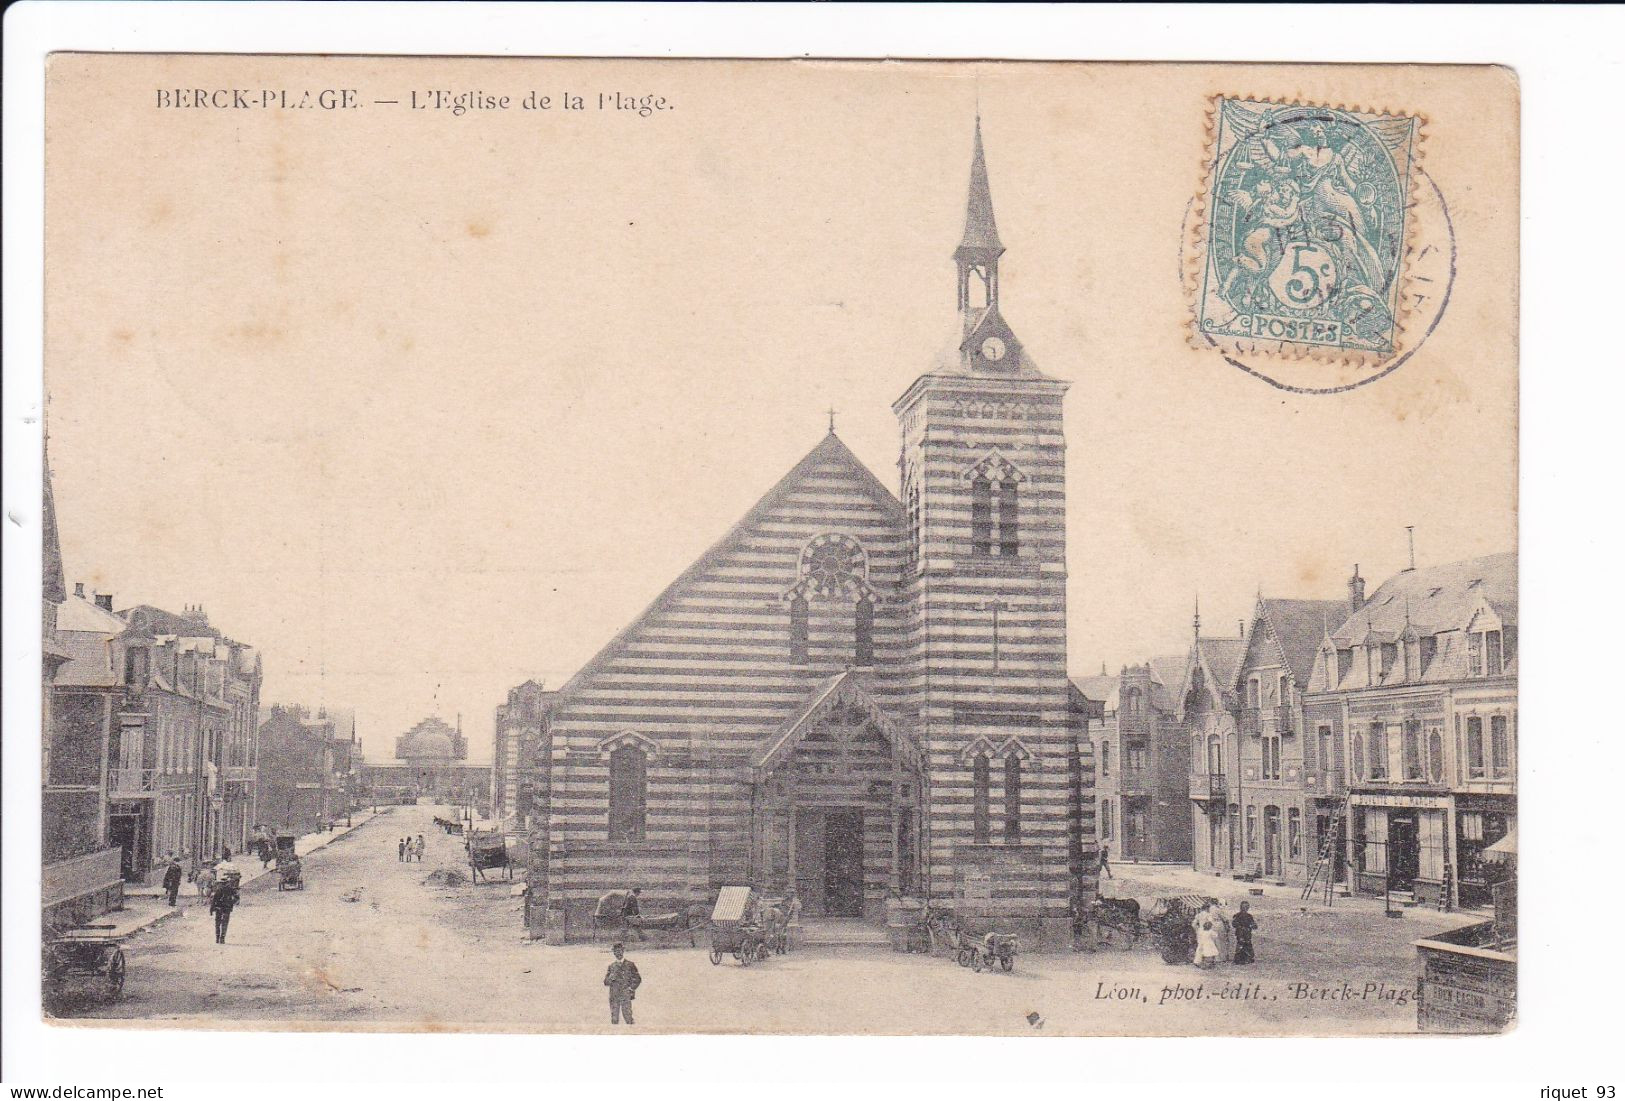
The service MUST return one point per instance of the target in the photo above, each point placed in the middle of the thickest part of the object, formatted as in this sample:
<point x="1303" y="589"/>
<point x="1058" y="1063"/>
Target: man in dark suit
<point x="172" y="879"/>
<point x="623" y="981"/>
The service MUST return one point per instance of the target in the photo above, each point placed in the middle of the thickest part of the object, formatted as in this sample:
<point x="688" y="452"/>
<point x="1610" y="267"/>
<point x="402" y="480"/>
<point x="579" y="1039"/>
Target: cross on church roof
<point x="831" y="412"/>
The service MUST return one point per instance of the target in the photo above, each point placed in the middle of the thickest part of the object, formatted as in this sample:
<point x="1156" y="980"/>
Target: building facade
<point x="518" y="744"/>
<point x="308" y="769"/>
<point x="1209" y="713"/>
<point x="1417" y="687"/>
<point x="186" y="773"/>
<point x="1142" y="808"/>
<point x="855" y="696"/>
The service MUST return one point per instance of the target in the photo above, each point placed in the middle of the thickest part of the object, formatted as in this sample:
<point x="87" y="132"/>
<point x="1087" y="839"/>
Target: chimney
<point x="1356" y="590"/>
<point x="1241" y="628"/>
<point x="104" y="601"/>
<point x="79" y="589"/>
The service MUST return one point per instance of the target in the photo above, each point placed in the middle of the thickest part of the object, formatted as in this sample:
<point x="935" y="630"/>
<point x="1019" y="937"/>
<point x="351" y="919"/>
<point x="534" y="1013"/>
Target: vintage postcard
<point x="823" y="547"/>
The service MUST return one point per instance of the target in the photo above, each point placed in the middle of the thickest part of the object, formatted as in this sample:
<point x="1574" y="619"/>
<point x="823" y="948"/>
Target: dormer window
<point x="1345" y="664"/>
<point x="1492" y="653"/>
<point x="1389" y="652"/>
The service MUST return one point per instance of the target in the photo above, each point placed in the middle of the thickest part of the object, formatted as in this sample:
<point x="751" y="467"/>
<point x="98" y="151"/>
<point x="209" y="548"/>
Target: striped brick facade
<point x="773" y="748"/>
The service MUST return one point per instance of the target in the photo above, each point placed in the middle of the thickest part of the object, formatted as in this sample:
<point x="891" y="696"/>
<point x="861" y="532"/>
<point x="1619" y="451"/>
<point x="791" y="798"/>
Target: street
<point x="369" y="944"/>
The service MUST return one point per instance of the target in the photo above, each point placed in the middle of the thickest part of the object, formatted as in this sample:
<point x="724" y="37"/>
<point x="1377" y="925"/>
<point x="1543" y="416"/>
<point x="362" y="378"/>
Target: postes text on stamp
<point x="1302" y="239"/>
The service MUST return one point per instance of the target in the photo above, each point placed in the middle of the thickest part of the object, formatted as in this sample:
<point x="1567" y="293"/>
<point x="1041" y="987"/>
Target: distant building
<point x="1142" y="809"/>
<point x="520" y="739"/>
<point x="1418" y="686"/>
<point x="1209" y="711"/>
<point x="307" y="765"/>
<point x="430" y="763"/>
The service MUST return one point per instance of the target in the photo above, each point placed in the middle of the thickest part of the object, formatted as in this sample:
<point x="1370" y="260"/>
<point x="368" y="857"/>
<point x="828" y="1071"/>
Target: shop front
<point x="1400" y="846"/>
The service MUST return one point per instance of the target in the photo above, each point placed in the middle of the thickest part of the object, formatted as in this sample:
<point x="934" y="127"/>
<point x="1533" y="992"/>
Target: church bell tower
<point x="984" y="486"/>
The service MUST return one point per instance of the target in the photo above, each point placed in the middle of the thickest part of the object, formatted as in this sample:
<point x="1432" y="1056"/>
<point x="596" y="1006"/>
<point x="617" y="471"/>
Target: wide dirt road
<point x="370" y="945"/>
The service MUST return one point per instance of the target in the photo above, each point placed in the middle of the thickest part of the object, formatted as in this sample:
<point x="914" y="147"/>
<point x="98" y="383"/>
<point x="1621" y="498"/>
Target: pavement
<point x="374" y="944"/>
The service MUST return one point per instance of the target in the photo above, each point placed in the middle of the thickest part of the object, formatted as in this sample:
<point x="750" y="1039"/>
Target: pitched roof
<point x="846" y="687"/>
<point x="1222" y="656"/>
<point x="56" y="589"/>
<point x="1169" y="672"/>
<point x="1100" y="688"/>
<point x="1436" y="598"/>
<point x="829" y="449"/>
<point x="1299" y="626"/>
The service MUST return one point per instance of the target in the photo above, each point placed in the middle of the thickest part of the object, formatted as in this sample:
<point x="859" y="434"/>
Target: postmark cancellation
<point x="1303" y="232"/>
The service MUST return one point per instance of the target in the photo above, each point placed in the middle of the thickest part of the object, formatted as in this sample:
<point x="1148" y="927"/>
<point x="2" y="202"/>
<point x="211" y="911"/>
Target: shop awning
<point x="1504" y="849"/>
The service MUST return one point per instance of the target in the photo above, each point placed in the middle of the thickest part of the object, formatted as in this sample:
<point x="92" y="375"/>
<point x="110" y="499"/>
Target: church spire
<point x="981" y="231"/>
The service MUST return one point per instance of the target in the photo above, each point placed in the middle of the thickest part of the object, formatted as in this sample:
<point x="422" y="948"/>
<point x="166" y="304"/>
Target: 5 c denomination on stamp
<point x="1302" y="239"/>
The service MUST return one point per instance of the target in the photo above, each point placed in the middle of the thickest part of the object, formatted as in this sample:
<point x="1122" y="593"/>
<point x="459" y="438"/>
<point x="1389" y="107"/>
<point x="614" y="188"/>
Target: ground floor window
<point x="1252" y="829"/>
<point x="1294" y="833"/>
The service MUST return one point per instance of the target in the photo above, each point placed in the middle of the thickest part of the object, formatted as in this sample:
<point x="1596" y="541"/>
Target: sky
<point x="423" y="405"/>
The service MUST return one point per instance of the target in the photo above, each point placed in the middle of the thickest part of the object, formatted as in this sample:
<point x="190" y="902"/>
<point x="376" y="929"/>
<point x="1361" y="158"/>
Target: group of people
<point x="1218" y="937"/>
<point x="411" y="849"/>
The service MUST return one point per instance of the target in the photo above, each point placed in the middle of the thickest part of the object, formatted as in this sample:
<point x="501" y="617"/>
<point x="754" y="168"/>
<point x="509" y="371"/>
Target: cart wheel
<point x="745" y="956"/>
<point x="716" y="956"/>
<point x="115" y="972"/>
<point x="964" y="957"/>
<point x="1007" y="962"/>
<point x="976" y="962"/>
<point x="763" y="952"/>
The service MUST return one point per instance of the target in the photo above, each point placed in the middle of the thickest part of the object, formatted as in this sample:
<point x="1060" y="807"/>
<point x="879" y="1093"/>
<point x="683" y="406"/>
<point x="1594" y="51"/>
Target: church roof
<point x="830" y="449"/>
<point x="433" y="737"/>
<point x="981" y="231"/>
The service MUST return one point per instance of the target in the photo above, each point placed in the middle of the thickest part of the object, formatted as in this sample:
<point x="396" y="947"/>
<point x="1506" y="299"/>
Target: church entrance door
<point x="843" y="862"/>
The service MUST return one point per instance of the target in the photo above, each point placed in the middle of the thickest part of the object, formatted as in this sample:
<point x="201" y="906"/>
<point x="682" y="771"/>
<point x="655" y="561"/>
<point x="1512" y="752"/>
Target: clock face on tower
<point x="993" y="349"/>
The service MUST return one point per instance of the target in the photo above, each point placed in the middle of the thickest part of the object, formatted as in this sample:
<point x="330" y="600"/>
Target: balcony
<point x="124" y="783"/>
<point x="1134" y="781"/>
<point x="1209" y="785"/>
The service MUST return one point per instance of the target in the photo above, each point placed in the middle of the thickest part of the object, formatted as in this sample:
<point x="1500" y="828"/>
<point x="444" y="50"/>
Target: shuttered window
<point x="864" y="647"/>
<point x="628" y="794"/>
<point x="981" y="782"/>
<point x="1012" y="798"/>
<point x="1009" y="521"/>
<point x="798" y="630"/>
<point x="981" y="516"/>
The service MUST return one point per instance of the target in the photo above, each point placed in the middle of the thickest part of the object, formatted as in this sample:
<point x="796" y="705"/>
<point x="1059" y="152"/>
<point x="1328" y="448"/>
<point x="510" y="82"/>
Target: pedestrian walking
<point x="623" y="981"/>
<point x="1105" y="867"/>
<point x="205" y="882"/>
<point x="402" y="847"/>
<point x="226" y="895"/>
<point x="1243" y="925"/>
<point x="418" y="848"/>
<point x="172" y="879"/>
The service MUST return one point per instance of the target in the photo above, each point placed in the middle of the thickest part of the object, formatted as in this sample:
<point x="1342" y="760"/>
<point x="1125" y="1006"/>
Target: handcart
<point x="1170" y="921"/>
<point x="735" y="928"/>
<point x="290" y="871"/>
<point x="989" y="950"/>
<point x="84" y="950"/>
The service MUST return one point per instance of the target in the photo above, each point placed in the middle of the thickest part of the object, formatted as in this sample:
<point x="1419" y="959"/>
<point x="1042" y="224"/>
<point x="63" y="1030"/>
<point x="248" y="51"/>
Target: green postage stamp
<point x="1303" y="233"/>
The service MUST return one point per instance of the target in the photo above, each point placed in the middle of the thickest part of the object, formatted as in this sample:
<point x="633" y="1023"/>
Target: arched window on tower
<point x="915" y="525"/>
<point x="628" y="793"/>
<point x="1012" y="798"/>
<point x="981" y="516"/>
<point x="864" y="643"/>
<point x="1009" y="522"/>
<point x="981" y="796"/>
<point x="798" y="630"/>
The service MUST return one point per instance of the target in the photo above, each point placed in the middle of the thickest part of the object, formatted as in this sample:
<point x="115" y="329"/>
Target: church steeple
<point x="978" y="254"/>
<point x="987" y="346"/>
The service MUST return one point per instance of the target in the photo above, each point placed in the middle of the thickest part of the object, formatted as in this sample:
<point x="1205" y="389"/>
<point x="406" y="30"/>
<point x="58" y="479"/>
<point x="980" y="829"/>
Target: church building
<point x="856" y="696"/>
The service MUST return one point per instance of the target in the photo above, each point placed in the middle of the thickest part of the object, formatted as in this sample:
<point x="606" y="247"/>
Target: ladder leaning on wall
<point x="1321" y="876"/>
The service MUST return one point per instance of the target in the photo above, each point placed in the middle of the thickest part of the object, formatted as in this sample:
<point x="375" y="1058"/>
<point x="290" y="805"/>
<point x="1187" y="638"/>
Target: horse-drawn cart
<point x="488" y="851"/>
